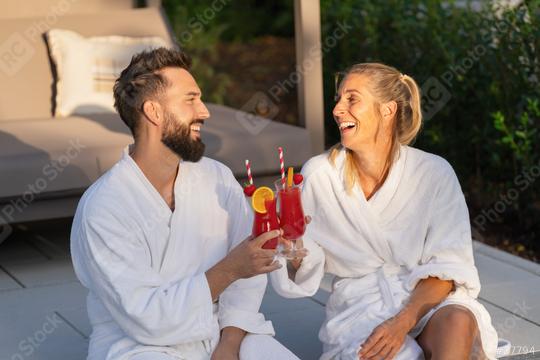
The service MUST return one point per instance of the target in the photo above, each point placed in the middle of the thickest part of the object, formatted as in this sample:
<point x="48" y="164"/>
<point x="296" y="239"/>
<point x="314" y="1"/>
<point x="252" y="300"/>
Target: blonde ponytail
<point x="410" y="126"/>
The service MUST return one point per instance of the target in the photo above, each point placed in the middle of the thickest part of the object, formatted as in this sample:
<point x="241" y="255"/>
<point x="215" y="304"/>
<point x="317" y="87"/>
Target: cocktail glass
<point x="291" y="217"/>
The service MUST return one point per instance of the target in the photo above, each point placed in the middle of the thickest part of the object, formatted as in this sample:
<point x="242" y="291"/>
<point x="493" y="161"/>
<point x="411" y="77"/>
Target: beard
<point x="177" y="137"/>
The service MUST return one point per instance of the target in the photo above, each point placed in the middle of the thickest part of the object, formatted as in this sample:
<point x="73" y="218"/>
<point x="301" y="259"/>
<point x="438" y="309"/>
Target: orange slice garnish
<point x="259" y="198"/>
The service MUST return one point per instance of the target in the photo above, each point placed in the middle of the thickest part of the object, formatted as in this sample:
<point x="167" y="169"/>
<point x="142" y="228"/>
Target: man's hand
<point x="224" y="351"/>
<point x="249" y="258"/>
<point x="386" y="339"/>
<point x="228" y="347"/>
<point x="244" y="261"/>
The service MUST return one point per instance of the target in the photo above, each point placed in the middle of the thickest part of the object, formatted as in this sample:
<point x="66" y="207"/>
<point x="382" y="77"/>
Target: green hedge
<point x="479" y="71"/>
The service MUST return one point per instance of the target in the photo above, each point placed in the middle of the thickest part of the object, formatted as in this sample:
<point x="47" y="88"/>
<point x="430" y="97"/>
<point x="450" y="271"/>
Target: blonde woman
<point x="391" y="223"/>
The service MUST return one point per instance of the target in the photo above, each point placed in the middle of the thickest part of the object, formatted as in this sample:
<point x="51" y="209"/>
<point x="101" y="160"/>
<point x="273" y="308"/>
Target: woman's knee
<point x="459" y="319"/>
<point x="448" y="320"/>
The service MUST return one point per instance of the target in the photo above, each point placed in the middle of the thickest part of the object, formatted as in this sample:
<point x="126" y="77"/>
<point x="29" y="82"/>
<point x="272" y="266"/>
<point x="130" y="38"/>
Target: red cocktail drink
<point x="291" y="213"/>
<point x="264" y="222"/>
<point x="291" y="216"/>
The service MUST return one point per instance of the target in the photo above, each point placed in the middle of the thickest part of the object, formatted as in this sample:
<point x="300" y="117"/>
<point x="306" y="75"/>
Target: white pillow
<point x="86" y="68"/>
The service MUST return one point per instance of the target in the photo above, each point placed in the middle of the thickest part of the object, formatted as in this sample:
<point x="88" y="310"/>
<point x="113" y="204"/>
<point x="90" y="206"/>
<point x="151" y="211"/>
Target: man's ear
<point x="152" y="112"/>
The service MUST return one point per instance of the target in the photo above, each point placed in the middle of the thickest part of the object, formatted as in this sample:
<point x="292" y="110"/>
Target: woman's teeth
<point x="346" y="125"/>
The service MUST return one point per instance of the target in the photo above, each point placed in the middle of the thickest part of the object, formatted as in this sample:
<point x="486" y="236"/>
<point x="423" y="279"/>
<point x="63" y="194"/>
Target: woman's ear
<point x="152" y="112"/>
<point x="388" y="110"/>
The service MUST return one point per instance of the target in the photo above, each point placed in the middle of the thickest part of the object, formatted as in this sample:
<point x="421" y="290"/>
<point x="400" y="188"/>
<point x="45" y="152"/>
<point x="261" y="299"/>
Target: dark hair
<point x="140" y="81"/>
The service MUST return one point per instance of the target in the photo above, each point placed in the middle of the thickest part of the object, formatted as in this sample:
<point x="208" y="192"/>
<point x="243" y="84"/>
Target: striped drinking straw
<point x="248" y="168"/>
<point x="281" y="166"/>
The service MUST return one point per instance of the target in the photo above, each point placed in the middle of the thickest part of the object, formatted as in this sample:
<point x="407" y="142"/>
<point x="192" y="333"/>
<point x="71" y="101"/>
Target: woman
<point x="391" y="223"/>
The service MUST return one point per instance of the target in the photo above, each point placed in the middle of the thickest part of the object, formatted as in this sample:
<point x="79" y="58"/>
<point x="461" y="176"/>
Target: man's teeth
<point x="196" y="127"/>
<point x="346" y="124"/>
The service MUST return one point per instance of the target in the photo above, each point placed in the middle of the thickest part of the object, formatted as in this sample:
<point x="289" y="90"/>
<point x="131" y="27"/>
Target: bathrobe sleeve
<point x="309" y="275"/>
<point x="239" y="304"/>
<point x="115" y="265"/>
<point x="447" y="252"/>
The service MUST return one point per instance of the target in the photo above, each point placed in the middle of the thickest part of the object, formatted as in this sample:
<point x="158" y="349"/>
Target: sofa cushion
<point x="232" y="136"/>
<point x="86" y="68"/>
<point x="58" y="154"/>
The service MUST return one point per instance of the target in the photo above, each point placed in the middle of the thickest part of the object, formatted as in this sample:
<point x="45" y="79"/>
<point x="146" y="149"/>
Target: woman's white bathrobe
<point x="144" y="265"/>
<point x="415" y="226"/>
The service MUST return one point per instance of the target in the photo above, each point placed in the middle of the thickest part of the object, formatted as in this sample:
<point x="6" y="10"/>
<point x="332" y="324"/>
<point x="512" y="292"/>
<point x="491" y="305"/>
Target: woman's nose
<point x="339" y="110"/>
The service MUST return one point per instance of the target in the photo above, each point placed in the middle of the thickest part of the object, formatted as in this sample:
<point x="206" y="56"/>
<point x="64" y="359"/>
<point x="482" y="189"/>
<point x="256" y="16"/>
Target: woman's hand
<point x="386" y="339"/>
<point x="296" y="262"/>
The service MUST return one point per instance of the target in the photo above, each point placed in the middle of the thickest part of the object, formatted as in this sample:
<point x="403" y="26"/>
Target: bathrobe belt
<point x="383" y="276"/>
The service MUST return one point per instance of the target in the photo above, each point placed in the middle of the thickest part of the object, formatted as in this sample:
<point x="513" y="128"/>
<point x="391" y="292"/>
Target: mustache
<point x="197" y="121"/>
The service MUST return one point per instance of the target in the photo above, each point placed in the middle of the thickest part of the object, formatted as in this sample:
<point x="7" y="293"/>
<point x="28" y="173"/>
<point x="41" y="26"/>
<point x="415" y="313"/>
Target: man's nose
<point x="202" y="111"/>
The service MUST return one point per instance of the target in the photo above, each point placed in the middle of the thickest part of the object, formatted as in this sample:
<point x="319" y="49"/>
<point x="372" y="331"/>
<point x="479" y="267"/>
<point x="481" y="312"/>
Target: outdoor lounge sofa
<point x="47" y="162"/>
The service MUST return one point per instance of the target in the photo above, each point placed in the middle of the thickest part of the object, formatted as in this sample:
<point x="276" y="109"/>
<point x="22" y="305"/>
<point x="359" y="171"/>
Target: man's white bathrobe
<point x="415" y="226"/>
<point x="144" y="265"/>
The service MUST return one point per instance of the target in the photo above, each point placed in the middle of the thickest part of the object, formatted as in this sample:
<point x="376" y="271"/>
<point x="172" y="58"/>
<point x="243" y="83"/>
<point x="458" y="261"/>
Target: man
<point x="159" y="239"/>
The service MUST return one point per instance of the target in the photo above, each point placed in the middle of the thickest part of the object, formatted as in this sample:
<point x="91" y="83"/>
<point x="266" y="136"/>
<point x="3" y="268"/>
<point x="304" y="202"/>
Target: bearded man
<point x="161" y="240"/>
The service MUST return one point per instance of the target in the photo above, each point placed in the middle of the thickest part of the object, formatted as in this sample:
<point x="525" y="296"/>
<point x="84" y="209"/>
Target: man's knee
<point x="264" y="347"/>
<point x="151" y="355"/>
